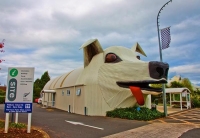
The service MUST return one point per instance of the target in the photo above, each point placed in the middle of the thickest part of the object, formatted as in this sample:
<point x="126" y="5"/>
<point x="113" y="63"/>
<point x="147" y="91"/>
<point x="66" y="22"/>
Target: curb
<point x="42" y="131"/>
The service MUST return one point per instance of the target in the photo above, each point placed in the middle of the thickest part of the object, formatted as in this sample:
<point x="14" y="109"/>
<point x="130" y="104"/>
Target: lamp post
<point x="160" y="50"/>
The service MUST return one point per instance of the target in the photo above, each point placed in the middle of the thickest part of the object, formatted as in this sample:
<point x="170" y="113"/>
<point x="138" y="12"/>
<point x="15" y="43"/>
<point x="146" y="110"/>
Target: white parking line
<point x="79" y="123"/>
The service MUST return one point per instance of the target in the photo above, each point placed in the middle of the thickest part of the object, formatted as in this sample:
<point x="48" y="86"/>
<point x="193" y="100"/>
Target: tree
<point x="39" y="84"/>
<point x="36" y="89"/>
<point x="1" y="46"/>
<point x="158" y="85"/>
<point x="197" y="91"/>
<point x="186" y="82"/>
<point x="44" y="79"/>
<point x="176" y="84"/>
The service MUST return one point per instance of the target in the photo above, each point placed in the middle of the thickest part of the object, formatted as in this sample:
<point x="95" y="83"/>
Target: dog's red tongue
<point x="136" y="91"/>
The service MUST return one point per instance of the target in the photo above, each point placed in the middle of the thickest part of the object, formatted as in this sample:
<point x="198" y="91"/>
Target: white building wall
<point x="61" y="102"/>
<point x="93" y="100"/>
<point x="79" y="100"/>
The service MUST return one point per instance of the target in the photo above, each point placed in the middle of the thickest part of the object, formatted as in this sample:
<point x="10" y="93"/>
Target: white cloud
<point x="47" y="34"/>
<point x="190" y="68"/>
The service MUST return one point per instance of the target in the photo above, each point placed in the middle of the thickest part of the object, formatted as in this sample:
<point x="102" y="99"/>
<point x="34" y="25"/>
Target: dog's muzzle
<point x="158" y="70"/>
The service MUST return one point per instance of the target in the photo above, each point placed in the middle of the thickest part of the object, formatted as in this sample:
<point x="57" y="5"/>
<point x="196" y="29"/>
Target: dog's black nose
<point x="158" y="69"/>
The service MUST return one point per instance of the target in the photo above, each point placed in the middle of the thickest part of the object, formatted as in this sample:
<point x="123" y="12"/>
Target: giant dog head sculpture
<point x="122" y="78"/>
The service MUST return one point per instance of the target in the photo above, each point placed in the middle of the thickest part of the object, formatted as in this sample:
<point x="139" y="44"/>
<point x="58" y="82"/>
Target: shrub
<point x="2" y="93"/>
<point x="17" y="125"/>
<point x="2" y="99"/>
<point x="195" y="101"/>
<point x="12" y="125"/>
<point x="132" y="113"/>
<point x="2" y="96"/>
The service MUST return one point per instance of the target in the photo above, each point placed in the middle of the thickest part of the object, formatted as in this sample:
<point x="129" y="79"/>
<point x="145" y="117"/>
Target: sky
<point x="47" y="34"/>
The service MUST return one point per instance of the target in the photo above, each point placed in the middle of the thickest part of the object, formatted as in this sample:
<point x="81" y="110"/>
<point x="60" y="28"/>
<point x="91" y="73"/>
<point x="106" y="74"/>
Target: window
<point x="68" y="92"/>
<point x="78" y="92"/>
<point x="62" y="93"/>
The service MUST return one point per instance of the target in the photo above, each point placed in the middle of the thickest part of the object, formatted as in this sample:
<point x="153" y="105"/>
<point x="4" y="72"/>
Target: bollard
<point x="69" y="109"/>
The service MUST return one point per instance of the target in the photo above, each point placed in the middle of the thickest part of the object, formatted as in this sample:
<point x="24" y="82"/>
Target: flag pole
<point x="160" y="51"/>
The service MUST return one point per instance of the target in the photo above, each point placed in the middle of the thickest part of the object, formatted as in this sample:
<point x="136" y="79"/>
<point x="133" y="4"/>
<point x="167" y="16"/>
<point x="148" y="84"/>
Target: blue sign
<point x="18" y="108"/>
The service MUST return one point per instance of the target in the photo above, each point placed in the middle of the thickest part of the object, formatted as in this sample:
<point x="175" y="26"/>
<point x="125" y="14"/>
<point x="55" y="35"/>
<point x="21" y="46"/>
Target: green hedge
<point x="2" y="99"/>
<point x="132" y="113"/>
<point x="2" y="93"/>
<point x="195" y="101"/>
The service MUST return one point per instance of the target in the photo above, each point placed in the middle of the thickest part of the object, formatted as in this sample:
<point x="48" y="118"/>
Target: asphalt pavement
<point x="61" y="124"/>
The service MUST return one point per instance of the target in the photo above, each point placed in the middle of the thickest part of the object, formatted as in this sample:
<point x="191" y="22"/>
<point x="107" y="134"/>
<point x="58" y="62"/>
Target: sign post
<point x="19" y="94"/>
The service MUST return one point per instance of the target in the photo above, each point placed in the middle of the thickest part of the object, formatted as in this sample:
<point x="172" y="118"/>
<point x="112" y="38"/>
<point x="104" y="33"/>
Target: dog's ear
<point x="91" y="48"/>
<point x="137" y="48"/>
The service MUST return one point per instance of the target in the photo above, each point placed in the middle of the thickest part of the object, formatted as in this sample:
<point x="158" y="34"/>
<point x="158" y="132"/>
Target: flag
<point x="165" y="37"/>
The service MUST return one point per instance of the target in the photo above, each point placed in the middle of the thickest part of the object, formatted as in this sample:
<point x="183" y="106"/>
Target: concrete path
<point x="156" y="130"/>
<point x="182" y="124"/>
<point x="191" y="116"/>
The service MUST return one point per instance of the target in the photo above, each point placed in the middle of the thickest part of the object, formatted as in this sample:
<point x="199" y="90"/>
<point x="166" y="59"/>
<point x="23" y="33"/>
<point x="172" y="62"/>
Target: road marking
<point x="79" y="123"/>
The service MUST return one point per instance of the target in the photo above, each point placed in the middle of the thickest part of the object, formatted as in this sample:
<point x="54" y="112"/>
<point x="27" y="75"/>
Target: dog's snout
<point x="158" y="69"/>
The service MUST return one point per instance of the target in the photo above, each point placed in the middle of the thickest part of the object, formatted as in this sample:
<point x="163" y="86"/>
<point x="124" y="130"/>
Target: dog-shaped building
<point x="111" y="78"/>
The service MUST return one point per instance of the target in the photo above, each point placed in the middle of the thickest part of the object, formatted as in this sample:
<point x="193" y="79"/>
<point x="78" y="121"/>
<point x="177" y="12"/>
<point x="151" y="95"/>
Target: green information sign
<point x="19" y="94"/>
<point x="13" y="72"/>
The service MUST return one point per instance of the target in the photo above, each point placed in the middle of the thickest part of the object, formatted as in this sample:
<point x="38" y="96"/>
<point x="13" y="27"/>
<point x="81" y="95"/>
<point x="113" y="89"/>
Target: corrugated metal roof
<point x="176" y="90"/>
<point x="64" y="80"/>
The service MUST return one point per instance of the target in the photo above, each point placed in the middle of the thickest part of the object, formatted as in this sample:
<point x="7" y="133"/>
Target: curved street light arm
<point x="160" y="50"/>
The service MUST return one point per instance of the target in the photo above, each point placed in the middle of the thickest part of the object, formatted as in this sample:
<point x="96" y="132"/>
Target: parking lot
<point x="61" y="124"/>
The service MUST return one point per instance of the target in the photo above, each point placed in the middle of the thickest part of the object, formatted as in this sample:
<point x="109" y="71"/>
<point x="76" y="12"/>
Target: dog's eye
<point x="112" y="58"/>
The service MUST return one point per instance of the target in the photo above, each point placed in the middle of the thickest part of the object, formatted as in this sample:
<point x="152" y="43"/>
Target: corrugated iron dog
<point x="122" y="77"/>
<point x="113" y="78"/>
